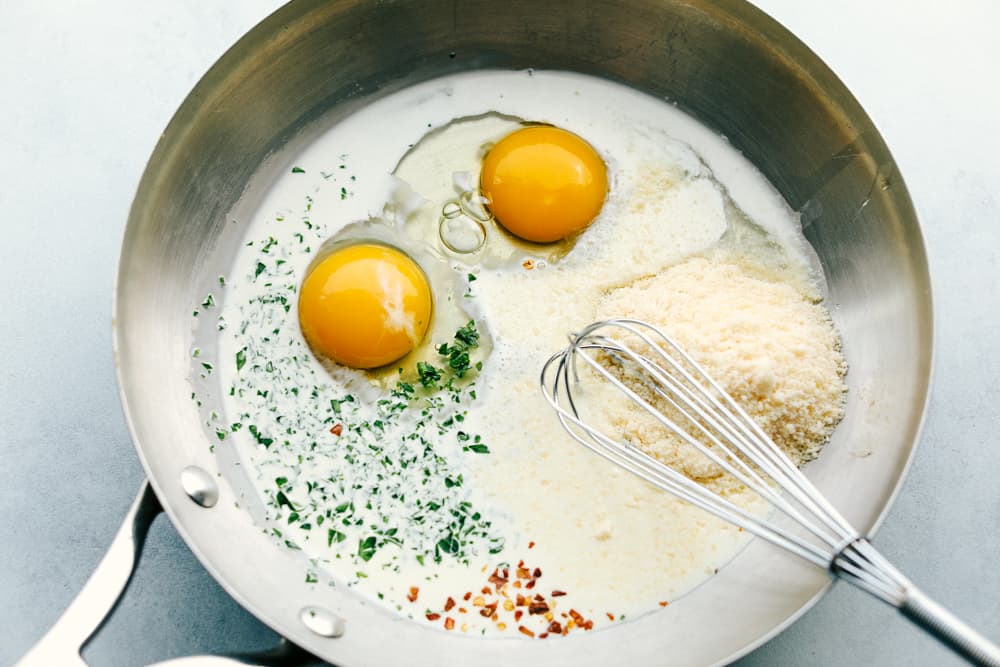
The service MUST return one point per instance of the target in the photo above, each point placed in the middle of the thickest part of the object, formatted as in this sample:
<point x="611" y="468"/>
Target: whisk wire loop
<point x="634" y="461"/>
<point x="724" y="430"/>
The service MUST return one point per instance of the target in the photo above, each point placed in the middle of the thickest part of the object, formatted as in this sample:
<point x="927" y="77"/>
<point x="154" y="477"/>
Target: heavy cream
<point x="436" y="502"/>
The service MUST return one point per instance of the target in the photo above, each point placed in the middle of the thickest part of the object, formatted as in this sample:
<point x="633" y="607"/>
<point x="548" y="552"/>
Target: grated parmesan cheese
<point x="772" y="349"/>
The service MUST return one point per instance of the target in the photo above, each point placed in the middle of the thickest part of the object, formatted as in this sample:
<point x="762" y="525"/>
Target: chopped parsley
<point x="385" y="455"/>
<point x="373" y="476"/>
<point x="366" y="548"/>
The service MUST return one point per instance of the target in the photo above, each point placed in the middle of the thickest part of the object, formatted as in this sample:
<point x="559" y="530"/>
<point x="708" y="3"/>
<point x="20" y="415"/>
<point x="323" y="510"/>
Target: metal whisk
<point x="643" y="363"/>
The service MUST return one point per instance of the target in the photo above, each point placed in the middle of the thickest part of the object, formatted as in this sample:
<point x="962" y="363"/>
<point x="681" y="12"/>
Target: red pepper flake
<point x="463" y="610"/>
<point x="577" y="617"/>
<point x="525" y="631"/>
<point x="537" y="573"/>
<point x="520" y="563"/>
<point x="531" y="545"/>
<point x="543" y="635"/>
<point x="449" y="623"/>
<point x="506" y="573"/>
<point x="448" y="604"/>
<point x="414" y="591"/>
<point x="521" y="600"/>
<point x="664" y="603"/>
<point x="610" y="616"/>
<point x="588" y="625"/>
<point x="433" y="617"/>
<point x="539" y="598"/>
<point x="485" y="590"/>
<point x="523" y="572"/>
<point x="466" y="596"/>
<point x="554" y="627"/>
<point x="517" y="583"/>
<point x="538" y="608"/>
<point x="558" y="594"/>
<point x="497" y="580"/>
<point x="530" y="584"/>
<point x="337" y="429"/>
<point x="518" y="614"/>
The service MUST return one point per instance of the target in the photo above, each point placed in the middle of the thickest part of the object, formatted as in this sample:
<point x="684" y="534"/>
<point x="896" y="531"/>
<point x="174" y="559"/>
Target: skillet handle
<point x="93" y="605"/>
<point x="97" y="600"/>
<point x="285" y="654"/>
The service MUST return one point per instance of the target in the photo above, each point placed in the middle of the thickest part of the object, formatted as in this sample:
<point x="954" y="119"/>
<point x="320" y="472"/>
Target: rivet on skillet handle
<point x="93" y="605"/>
<point x="322" y="622"/>
<point x="200" y="486"/>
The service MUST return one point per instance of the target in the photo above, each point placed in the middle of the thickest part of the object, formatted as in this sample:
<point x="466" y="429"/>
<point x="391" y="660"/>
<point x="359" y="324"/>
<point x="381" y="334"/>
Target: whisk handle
<point x="946" y="627"/>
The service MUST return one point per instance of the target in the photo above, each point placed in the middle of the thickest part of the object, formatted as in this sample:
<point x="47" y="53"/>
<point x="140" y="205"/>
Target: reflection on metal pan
<point x="727" y="64"/>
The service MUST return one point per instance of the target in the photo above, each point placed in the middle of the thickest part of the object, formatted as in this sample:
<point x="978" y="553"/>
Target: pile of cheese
<point x="774" y="350"/>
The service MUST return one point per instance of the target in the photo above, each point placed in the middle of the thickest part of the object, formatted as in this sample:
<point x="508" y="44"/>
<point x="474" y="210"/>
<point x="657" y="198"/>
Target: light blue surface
<point x="88" y="86"/>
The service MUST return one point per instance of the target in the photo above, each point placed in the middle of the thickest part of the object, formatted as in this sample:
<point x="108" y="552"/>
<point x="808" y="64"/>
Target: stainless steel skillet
<point x="313" y="62"/>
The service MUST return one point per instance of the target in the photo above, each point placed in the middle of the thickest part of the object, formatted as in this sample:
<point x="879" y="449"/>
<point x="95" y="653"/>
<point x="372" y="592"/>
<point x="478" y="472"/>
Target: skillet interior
<point x="727" y="64"/>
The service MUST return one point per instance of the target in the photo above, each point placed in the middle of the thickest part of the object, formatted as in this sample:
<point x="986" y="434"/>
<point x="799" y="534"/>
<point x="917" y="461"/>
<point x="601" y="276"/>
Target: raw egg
<point x="365" y="305"/>
<point x="544" y="183"/>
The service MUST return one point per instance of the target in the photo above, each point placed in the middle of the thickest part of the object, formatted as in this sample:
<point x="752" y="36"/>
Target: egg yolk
<point x="365" y="305"/>
<point x="544" y="183"/>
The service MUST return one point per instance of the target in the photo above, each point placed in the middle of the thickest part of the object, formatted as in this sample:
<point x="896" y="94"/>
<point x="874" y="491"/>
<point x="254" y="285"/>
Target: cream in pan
<point x="462" y="503"/>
